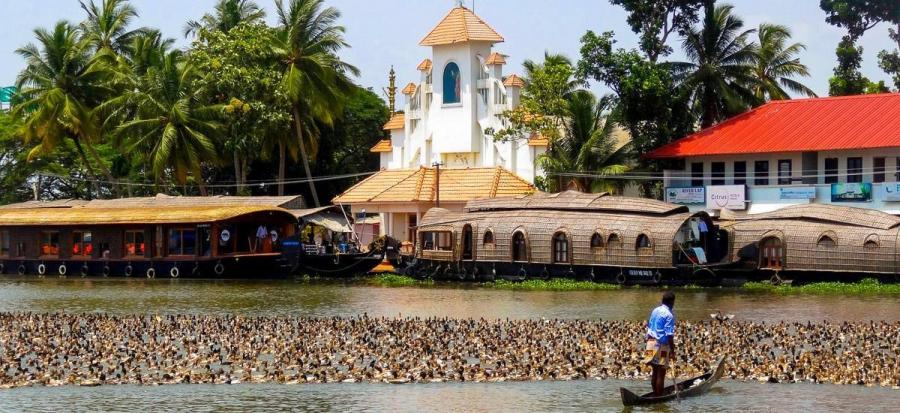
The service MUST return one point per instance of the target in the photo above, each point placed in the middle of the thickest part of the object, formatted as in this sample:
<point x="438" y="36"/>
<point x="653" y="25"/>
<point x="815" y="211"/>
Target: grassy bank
<point x="866" y="286"/>
<point x="556" y="284"/>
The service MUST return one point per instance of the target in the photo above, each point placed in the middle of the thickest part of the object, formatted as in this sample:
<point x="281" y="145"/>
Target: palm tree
<point x="227" y="15"/>
<point x="719" y="74"/>
<point x="168" y="121"/>
<point x="588" y="148"/>
<point x="106" y="26"/>
<point x="552" y="59"/>
<point x="775" y="64"/>
<point x="315" y="78"/>
<point x="149" y="49"/>
<point x="60" y="87"/>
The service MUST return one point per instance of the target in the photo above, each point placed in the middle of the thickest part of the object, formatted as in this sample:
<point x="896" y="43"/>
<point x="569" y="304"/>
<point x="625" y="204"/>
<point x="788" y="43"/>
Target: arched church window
<point x="452" y="83"/>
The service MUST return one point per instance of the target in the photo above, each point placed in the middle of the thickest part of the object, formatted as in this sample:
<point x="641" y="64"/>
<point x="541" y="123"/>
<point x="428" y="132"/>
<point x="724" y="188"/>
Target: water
<point x="338" y="298"/>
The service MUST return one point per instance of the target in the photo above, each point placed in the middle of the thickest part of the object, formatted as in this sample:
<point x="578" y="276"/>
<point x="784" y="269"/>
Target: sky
<point x="385" y="33"/>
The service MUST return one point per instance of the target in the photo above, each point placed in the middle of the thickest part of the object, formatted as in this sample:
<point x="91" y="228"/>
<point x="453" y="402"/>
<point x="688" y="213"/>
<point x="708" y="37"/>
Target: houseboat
<point x="327" y="245"/>
<point x="572" y="235"/>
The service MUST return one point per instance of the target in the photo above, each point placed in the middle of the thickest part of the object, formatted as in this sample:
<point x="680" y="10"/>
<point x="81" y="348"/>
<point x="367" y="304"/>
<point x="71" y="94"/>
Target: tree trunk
<point x="282" y="160"/>
<point x="238" y="175"/>
<point x="245" y="170"/>
<point x="106" y="172"/>
<point x="305" y="158"/>
<point x="87" y="164"/>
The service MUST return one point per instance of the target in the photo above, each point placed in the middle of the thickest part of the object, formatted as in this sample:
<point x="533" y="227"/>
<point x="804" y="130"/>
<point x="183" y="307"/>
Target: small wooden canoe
<point x="687" y="388"/>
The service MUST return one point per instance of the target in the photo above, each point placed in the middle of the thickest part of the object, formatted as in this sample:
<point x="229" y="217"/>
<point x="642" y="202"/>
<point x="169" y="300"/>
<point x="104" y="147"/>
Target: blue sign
<point x="686" y="196"/>
<point x="851" y="192"/>
<point x="800" y="192"/>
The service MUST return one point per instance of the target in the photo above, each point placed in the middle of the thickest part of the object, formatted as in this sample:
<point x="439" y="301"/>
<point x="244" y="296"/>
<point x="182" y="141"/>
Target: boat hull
<point x="250" y="266"/>
<point x="687" y="388"/>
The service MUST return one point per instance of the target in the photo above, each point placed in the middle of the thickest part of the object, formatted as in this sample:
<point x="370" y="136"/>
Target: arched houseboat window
<point x="643" y="241"/>
<point x="826" y="241"/>
<point x="871" y="242"/>
<point x="597" y="240"/>
<point x="452" y="83"/>
<point x="468" y="242"/>
<point x="519" y="247"/>
<point x="614" y="241"/>
<point x="488" y="238"/>
<point x="560" y="247"/>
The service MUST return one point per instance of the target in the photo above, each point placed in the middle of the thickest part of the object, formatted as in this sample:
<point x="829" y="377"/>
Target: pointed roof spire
<point x="460" y="25"/>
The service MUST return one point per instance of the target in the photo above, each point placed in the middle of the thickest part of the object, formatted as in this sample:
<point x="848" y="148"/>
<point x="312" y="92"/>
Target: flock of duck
<point x="92" y="349"/>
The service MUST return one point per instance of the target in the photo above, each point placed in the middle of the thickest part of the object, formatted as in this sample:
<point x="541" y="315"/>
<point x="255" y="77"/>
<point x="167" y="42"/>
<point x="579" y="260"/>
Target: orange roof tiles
<point x="513" y="80"/>
<point x="383" y="145"/>
<point x="458" y="26"/>
<point x="409" y="89"/>
<point x="495" y="59"/>
<point x="425" y="65"/>
<point x="419" y="185"/>
<point x="799" y="125"/>
<point x="397" y="121"/>
<point x="536" y="139"/>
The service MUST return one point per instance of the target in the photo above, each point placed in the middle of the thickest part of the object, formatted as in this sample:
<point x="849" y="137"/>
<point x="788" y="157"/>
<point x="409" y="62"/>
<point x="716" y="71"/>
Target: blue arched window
<point x="452" y="83"/>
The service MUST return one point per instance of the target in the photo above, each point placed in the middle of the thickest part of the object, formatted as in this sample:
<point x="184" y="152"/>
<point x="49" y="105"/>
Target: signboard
<point x="726" y="197"/>
<point x="890" y="191"/>
<point x="851" y="192"/>
<point x="6" y="94"/>
<point x="686" y="196"/>
<point x="798" y="192"/>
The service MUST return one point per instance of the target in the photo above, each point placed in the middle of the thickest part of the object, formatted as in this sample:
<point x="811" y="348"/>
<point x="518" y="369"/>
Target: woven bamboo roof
<point x="425" y="65"/>
<point x="162" y="200"/>
<point x="58" y="203"/>
<point x="131" y="216"/>
<point x="574" y="200"/>
<point x="383" y="145"/>
<point x="861" y="217"/>
<point x="397" y="121"/>
<point x="458" y="26"/>
<point x="419" y="185"/>
<point x="495" y="59"/>
<point x="514" y="81"/>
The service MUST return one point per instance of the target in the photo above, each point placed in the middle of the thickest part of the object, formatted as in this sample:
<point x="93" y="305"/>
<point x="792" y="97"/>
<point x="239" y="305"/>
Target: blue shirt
<point x="662" y="324"/>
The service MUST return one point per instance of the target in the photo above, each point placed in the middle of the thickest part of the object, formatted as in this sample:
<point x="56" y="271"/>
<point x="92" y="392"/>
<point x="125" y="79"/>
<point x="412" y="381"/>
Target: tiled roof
<point x="397" y="121"/>
<point x="513" y="80"/>
<point x="495" y="59"/>
<point x="425" y="65"/>
<point x="383" y="145"/>
<point x="818" y="124"/>
<point x="536" y="139"/>
<point x="409" y="89"/>
<point x="461" y="25"/>
<point x="419" y="185"/>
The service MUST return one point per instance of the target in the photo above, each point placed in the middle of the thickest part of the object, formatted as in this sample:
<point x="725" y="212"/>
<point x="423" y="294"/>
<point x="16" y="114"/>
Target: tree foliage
<point x="655" y="20"/>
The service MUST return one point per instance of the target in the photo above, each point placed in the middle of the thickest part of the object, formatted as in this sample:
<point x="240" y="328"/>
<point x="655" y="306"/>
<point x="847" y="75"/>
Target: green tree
<point x="107" y="24"/>
<point x="59" y="90"/>
<point x="227" y="15"/>
<point x="890" y="61"/>
<point x="167" y="121"/>
<point x="775" y="64"/>
<point x="719" y="73"/>
<point x="655" y="20"/>
<point x="315" y="79"/>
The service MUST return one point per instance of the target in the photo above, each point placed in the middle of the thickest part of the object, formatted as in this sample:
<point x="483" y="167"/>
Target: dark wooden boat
<point x="688" y="388"/>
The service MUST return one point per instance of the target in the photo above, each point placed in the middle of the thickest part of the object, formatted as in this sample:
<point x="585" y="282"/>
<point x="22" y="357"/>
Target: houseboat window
<point x="878" y="170"/>
<point x="20" y="249"/>
<point x="761" y="173"/>
<point x="718" y="173"/>
<point x="643" y="241"/>
<point x="182" y="241"/>
<point x="560" y="247"/>
<point x="519" y="247"/>
<point x="831" y="170"/>
<point x="696" y="173"/>
<point x="784" y="172"/>
<point x="488" y="237"/>
<point x="826" y="241"/>
<point x="436" y="241"/>
<point x="597" y="240"/>
<point x="854" y="169"/>
<point x="4" y="243"/>
<point x="614" y="241"/>
<point x="82" y="244"/>
<point x="134" y="243"/>
<point x="771" y="254"/>
<point x="452" y="83"/>
<point x="468" y="242"/>
<point x="740" y="172"/>
<point x="871" y="245"/>
<point x="50" y="243"/>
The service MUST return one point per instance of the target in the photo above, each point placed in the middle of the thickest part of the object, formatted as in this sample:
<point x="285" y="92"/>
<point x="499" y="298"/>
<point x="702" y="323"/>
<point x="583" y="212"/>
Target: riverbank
<point x="864" y="287"/>
<point x="96" y="349"/>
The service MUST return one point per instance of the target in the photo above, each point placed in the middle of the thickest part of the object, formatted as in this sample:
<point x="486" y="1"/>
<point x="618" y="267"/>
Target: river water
<point x="344" y="298"/>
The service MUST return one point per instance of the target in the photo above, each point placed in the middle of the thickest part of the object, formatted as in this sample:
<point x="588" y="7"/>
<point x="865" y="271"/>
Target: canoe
<point x="688" y="388"/>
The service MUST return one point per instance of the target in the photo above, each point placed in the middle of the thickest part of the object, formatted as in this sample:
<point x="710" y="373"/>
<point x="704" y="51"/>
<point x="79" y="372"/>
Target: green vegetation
<point x="554" y="284"/>
<point x="396" y="280"/>
<point x="866" y="286"/>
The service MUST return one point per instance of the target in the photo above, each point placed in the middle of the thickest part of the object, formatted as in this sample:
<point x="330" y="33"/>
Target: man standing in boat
<point x="661" y="341"/>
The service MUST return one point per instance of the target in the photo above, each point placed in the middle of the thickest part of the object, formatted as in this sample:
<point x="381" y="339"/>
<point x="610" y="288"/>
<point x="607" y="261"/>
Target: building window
<point x="50" y="243"/>
<point x="182" y="241"/>
<point x="854" y="169"/>
<point x="134" y="244"/>
<point x="560" y="248"/>
<point x="488" y="238"/>
<point x="761" y="173"/>
<point x="878" y="170"/>
<point x="597" y="240"/>
<point x="4" y="243"/>
<point x="519" y="247"/>
<point x="643" y="241"/>
<point x="784" y="172"/>
<point x="452" y="83"/>
<point x="718" y="173"/>
<point x="697" y="174"/>
<point x="831" y="170"/>
<point x="82" y="244"/>
<point x="740" y="172"/>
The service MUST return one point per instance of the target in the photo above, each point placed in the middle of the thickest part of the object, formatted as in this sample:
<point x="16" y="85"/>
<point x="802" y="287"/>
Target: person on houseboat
<point x="660" y="338"/>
